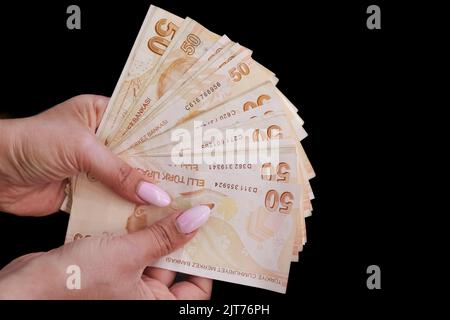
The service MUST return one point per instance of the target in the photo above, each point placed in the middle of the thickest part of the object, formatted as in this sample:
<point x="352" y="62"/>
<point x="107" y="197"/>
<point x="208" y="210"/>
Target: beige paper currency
<point x="248" y="239"/>
<point x="284" y="170"/>
<point x="181" y="76"/>
<point x="190" y="44"/>
<point x="157" y="31"/>
<point x="234" y="76"/>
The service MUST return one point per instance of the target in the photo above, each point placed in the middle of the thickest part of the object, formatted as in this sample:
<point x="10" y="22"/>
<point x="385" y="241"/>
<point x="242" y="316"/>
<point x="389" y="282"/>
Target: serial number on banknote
<point x="222" y="117"/>
<point x="237" y="187"/>
<point x="231" y="166"/>
<point x="205" y="94"/>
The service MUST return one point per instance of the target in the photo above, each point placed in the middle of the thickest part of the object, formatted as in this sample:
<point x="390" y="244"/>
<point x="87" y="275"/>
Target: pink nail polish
<point x="193" y="218"/>
<point x="153" y="194"/>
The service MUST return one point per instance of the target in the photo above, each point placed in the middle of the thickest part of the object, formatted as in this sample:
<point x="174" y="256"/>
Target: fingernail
<point x="153" y="194"/>
<point x="193" y="218"/>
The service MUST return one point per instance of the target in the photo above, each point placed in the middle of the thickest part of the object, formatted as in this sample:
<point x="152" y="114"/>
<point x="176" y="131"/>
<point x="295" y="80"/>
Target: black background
<point x="341" y="76"/>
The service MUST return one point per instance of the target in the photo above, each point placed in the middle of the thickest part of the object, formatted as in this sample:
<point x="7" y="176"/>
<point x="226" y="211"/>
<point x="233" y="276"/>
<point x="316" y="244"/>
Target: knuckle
<point x="86" y="108"/>
<point x="81" y="103"/>
<point x="124" y="176"/>
<point x="163" y="238"/>
<point x="84" y="100"/>
<point x="129" y="250"/>
<point x="85" y="143"/>
<point x="85" y="140"/>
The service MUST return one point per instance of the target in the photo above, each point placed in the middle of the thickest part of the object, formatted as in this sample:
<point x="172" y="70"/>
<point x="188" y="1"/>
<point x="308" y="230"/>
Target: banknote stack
<point x="194" y="112"/>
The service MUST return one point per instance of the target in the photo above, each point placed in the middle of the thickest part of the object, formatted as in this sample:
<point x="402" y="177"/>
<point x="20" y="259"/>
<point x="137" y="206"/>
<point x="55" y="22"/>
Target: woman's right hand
<point x="113" y="267"/>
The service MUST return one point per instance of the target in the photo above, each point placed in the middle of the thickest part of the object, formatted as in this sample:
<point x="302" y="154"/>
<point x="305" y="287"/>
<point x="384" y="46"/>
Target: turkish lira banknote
<point x="197" y="114"/>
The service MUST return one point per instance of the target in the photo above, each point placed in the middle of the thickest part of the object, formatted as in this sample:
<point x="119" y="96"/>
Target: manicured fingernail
<point x="193" y="218"/>
<point x="153" y="194"/>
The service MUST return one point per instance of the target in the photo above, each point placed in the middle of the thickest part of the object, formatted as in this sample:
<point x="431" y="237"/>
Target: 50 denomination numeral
<point x="279" y="174"/>
<point x="259" y="102"/>
<point x="158" y="44"/>
<point x="192" y="41"/>
<point x="274" y="202"/>
<point x="236" y="73"/>
<point x="272" y="132"/>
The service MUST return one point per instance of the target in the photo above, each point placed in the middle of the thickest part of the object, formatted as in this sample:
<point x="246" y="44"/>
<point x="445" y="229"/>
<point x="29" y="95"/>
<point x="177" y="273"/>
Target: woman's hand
<point x="110" y="267"/>
<point x="38" y="153"/>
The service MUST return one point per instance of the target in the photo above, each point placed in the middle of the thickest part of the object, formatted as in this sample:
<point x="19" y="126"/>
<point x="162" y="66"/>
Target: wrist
<point x="10" y="136"/>
<point x="11" y="131"/>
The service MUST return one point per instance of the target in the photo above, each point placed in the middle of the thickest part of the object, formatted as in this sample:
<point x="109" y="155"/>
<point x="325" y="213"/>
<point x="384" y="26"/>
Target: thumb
<point x="126" y="181"/>
<point x="166" y="235"/>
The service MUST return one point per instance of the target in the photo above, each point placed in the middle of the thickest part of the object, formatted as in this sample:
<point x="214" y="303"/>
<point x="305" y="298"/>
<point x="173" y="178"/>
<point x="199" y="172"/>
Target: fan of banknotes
<point x="193" y="111"/>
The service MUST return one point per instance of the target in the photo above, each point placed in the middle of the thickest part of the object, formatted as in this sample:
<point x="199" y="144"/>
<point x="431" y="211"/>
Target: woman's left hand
<point x="38" y="154"/>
